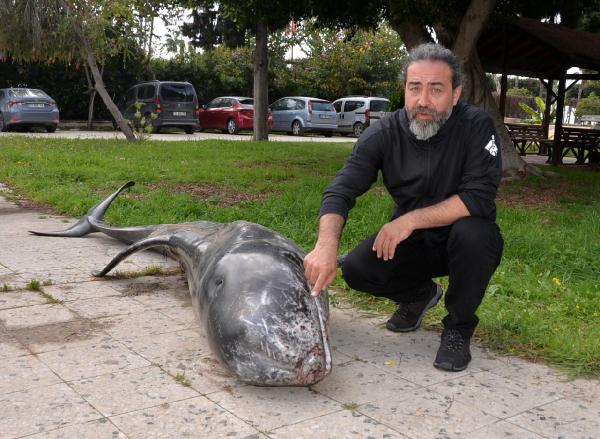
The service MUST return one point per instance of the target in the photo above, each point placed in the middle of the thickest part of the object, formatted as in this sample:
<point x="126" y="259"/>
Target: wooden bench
<point x="527" y="137"/>
<point x="584" y="143"/>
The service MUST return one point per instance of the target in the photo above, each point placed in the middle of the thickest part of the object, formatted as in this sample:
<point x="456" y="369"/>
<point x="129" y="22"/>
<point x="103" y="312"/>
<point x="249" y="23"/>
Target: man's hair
<point x="434" y="52"/>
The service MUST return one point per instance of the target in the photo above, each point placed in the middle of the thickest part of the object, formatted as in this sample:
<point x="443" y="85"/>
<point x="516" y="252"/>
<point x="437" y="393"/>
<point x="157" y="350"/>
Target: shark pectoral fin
<point x="155" y="241"/>
<point x="83" y="226"/>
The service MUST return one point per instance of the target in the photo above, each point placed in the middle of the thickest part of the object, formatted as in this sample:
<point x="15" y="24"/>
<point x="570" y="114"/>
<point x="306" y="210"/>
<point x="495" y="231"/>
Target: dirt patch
<point x="219" y="195"/>
<point x="135" y="289"/>
<point x="534" y="197"/>
<point x="60" y="333"/>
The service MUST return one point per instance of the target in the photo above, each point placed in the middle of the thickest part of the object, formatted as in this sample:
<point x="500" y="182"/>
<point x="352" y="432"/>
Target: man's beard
<point x="425" y="129"/>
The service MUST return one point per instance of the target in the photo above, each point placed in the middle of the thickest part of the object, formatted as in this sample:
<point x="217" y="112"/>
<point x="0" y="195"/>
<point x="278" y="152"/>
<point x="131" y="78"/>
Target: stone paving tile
<point x="166" y="299"/>
<point x="35" y="315"/>
<point x="131" y="390"/>
<point x="185" y="315"/>
<point x="100" y="429"/>
<point x="536" y="376"/>
<point x="10" y="347"/>
<point x="42" y="408"/>
<point x="170" y="346"/>
<point x="502" y="429"/>
<point x="195" y="418"/>
<point x="492" y="394"/>
<point x="342" y="424"/>
<point x="204" y="373"/>
<point x="267" y="408"/>
<point x="22" y="373"/>
<point x="564" y="418"/>
<point x="105" y="306"/>
<point x="77" y="333"/>
<point x="138" y="324"/>
<point x="358" y="382"/>
<point x="90" y="361"/>
<point x="81" y="291"/>
<point x="425" y="414"/>
<point x="16" y="299"/>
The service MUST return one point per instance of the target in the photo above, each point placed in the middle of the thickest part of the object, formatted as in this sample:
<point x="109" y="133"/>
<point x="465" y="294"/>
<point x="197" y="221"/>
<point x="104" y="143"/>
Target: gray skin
<point x="248" y="289"/>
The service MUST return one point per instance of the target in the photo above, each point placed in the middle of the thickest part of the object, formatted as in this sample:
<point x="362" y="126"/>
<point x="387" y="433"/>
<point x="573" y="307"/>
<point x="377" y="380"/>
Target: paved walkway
<point x="125" y="358"/>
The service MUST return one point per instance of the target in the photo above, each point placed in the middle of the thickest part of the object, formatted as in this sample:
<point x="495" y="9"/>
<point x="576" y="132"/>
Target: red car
<point x="230" y="114"/>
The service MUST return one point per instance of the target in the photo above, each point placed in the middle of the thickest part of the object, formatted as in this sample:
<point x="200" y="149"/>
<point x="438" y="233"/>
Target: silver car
<point x="355" y="113"/>
<point x="300" y="114"/>
<point x="26" y="108"/>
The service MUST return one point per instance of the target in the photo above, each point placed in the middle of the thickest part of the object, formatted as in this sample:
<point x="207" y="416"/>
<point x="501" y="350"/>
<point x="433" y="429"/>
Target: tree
<point x="211" y="28"/>
<point x="69" y="31"/>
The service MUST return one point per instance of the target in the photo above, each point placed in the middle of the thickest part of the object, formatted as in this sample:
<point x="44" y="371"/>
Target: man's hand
<point x="320" y="267"/>
<point x="392" y="234"/>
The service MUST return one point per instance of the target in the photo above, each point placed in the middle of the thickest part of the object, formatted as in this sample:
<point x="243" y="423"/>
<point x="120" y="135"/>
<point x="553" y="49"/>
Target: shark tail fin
<point x="83" y="226"/>
<point x="154" y="241"/>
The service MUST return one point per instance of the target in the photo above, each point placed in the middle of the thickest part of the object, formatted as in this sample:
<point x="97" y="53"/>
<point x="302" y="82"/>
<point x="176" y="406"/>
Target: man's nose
<point x="424" y="99"/>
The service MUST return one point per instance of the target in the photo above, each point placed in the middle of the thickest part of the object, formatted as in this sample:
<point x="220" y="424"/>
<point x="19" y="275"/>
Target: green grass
<point x="543" y="301"/>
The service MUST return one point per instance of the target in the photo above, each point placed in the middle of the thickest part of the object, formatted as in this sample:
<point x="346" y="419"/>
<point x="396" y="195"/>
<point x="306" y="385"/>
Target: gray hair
<point x="434" y="52"/>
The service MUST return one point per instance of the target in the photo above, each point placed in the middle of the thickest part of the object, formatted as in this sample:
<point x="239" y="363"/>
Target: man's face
<point x="429" y="97"/>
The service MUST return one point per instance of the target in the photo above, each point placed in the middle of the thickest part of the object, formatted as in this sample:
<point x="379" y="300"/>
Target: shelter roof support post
<point x="560" y="108"/>
<point x="546" y="119"/>
<point x="504" y="80"/>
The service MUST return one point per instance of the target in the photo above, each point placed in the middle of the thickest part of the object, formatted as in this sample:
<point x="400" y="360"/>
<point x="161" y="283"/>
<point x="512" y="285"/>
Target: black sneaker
<point x="454" y="353"/>
<point x="408" y="316"/>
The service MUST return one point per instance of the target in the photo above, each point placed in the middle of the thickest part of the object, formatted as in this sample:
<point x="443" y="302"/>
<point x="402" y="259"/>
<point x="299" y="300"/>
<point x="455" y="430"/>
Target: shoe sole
<point x="433" y="302"/>
<point x="449" y="367"/>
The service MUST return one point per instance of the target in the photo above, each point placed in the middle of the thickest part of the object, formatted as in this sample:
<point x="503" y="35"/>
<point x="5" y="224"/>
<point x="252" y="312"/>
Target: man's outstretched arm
<point x="320" y="265"/>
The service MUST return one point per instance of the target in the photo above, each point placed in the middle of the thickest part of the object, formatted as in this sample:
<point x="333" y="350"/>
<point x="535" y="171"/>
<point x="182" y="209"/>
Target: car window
<point x="353" y="105"/>
<point x="146" y="92"/>
<point x="247" y="101"/>
<point x="338" y="106"/>
<point x="297" y="104"/>
<point x="379" y="105"/>
<point x="26" y="93"/>
<point x="177" y="92"/>
<point x="214" y="103"/>
<point x="322" y="106"/>
<point x="226" y="102"/>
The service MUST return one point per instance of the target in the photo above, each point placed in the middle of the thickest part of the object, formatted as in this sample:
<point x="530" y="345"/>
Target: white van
<point x="355" y="113"/>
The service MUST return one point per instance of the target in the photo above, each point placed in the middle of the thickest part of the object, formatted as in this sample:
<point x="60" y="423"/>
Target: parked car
<point x="175" y="104"/>
<point x="26" y="108"/>
<point x="230" y="114"/>
<point x="299" y="114"/>
<point x="355" y="113"/>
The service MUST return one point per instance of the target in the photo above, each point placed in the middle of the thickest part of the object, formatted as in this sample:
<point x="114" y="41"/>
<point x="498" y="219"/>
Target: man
<point x="441" y="164"/>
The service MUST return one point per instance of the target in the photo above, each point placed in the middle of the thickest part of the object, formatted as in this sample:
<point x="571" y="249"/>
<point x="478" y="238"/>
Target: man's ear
<point x="456" y="94"/>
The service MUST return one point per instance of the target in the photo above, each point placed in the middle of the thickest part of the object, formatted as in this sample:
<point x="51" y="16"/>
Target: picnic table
<point x="583" y="143"/>
<point x="527" y="137"/>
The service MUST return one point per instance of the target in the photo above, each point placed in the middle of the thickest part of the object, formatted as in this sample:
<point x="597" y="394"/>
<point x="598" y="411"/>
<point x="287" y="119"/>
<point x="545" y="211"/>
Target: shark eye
<point x="219" y="282"/>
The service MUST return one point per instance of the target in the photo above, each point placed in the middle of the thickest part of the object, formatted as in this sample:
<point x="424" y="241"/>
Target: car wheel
<point x="155" y="129"/>
<point x="3" y="126"/>
<point x="328" y="134"/>
<point x="50" y="128"/>
<point x="199" y="127"/>
<point x="232" y="127"/>
<point x="297" y="129"/>
<point x="357" y="129"/>
<point x="189" y="130"/>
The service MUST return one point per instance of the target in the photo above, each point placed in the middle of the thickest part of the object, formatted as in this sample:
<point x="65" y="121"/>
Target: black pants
<point x="468" y="254"/>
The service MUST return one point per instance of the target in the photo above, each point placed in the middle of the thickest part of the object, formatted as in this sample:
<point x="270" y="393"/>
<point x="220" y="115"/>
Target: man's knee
<point x="352" y="271"/>
<point x="475" y="235"/>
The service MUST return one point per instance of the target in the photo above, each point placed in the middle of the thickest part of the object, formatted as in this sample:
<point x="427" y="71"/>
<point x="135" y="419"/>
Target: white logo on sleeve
<point x="491" y="147"/>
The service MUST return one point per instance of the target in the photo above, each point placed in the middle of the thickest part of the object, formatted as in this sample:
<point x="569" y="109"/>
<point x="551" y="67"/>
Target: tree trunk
<point x="478" y="93"/>
<point x="92" y="92"/>
<point x="101" y="89"/>
<point x="261" y="84"/>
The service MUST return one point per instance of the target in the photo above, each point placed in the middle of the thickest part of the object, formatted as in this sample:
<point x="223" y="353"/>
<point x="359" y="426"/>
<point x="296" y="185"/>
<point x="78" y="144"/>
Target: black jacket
<point x="462" y="158"/>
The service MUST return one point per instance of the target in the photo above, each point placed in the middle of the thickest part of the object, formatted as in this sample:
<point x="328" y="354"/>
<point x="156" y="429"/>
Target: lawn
<point x="543" y="302"/>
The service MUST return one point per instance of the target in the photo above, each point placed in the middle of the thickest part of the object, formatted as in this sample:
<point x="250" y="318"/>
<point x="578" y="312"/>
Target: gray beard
<point x="426" y="129"/>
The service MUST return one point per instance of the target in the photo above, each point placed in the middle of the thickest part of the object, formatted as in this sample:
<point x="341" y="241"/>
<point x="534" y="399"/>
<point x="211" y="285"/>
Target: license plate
<point x="37" y="105"/>
<point x="325" y="116"/>
<point x="179" y="113"/>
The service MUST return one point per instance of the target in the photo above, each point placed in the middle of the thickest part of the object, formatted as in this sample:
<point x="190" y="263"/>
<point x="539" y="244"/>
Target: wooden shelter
<point x="531" y="48"/>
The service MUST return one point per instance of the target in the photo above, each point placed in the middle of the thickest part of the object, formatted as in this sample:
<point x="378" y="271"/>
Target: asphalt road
<point x="82" y="134"/>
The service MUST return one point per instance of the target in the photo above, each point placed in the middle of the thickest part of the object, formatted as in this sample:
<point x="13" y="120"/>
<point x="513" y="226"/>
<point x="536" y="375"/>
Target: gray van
<point x="174" y="103"/>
